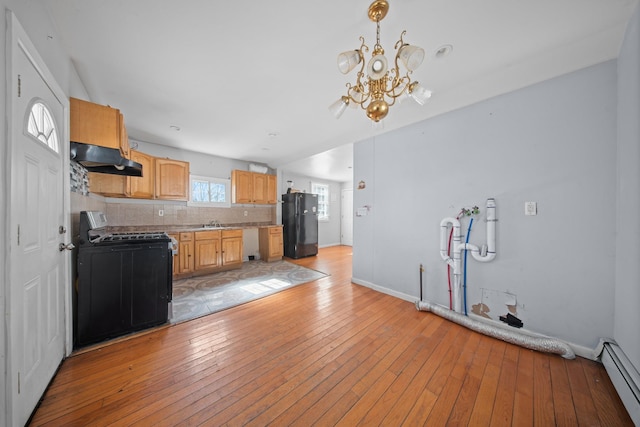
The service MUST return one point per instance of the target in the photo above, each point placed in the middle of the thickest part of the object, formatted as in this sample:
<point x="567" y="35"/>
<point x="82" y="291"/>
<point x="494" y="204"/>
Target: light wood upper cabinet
<point x="143" y="187"/>
<point x="172" y="179"/>
<point x="252" y="187"/>
<point x="125" y="147"/>
<point x="259" y="184"/>
<point x="98" y="125"/>
<point x="272" y="190"/>
<point x="109" y="185"/>
<point x="241" y="187"/>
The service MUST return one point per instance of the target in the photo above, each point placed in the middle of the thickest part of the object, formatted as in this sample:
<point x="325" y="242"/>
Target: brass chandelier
<point x="381" y="86"/>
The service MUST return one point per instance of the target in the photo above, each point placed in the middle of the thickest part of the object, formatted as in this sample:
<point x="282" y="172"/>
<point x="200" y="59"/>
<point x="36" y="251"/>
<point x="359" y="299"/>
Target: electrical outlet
<point x="530" y="208"/>
<point x="160" y="212"/>
<point x="246" y="213"/>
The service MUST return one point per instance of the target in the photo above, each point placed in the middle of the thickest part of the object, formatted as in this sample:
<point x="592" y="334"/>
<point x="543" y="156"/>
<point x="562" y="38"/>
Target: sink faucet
<point x="215" y="223"/>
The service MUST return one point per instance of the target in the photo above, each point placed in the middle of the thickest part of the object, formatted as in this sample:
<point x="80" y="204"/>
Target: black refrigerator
<point x="300" y="220"/>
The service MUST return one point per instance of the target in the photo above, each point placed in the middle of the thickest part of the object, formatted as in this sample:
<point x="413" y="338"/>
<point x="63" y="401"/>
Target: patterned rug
<point x="199" y="296"/>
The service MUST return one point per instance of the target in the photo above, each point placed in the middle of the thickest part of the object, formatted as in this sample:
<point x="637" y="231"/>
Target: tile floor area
<point x="199" y="296"/>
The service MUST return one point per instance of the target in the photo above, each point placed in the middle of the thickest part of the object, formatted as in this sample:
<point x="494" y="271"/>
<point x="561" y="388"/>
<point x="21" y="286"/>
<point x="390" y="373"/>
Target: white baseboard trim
<point x="384" y="290"/>
<point x="579" y="350"/>
<point x="328" y="245"/>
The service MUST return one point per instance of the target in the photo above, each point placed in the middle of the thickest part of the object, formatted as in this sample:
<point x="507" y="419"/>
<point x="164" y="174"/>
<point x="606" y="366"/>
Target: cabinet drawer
<point x="232" y="233"/>
<point x="185" y="237"/>
<point x="275" y="230"/>
<point x="207" y="235"/>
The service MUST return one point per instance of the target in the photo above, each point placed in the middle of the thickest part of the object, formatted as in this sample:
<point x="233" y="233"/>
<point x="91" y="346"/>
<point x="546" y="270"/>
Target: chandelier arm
<point x="401" y="41"/>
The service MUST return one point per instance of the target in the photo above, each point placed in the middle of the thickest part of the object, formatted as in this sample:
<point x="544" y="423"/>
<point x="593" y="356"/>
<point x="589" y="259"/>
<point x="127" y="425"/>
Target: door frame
<point x="343" y="192"/>
<point x="16" y="35"/>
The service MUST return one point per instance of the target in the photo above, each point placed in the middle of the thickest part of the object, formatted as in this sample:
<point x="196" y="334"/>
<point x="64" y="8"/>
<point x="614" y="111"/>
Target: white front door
<point x="346" y="223"/>
<point x="39" y="277"/>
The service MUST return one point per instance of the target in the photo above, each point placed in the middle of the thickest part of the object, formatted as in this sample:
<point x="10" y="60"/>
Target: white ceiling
<point x="252" y="80"/>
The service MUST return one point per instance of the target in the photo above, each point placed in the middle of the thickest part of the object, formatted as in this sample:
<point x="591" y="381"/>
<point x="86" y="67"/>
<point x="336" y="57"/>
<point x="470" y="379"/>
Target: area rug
<point x="199" y="296"/>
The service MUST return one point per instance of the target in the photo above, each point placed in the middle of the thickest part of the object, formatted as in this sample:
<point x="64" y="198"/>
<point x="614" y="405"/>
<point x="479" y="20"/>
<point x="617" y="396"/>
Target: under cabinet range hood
<point x="103" y="160"/>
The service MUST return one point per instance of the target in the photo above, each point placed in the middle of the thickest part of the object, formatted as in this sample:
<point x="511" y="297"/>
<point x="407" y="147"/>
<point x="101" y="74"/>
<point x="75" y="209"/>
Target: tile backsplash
<point x="134" y="214"/>
<point x="147" y="214"/>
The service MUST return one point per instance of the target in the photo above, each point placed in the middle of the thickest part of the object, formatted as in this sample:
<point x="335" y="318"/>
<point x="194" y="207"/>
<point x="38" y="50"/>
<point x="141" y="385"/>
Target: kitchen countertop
<point x="184" y="228"/>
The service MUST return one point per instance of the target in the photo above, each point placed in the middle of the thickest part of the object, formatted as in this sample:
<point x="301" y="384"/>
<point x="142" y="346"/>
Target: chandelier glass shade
<point x="378" y="83"/>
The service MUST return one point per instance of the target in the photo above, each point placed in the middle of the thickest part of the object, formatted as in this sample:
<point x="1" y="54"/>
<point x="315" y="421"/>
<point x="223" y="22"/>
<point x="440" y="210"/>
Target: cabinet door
<point x="259" y="182"/>
<point x="272" y="190"/>
<point x="207" y="254"/>
<point x="232" y="251"/>
<point x="241" y="187"/>
<point x="94" y="124"/>
<point x="172" y="179"/>
<point x="275" y="242"/>
<point x="185" y="253"/>
<point x="143" y="187"/>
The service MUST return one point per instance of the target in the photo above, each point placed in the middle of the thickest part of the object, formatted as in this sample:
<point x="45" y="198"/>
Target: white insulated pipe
<point x="456" y="262"/>
<point x="549" y="345"/>
<point x="545" y="344"/>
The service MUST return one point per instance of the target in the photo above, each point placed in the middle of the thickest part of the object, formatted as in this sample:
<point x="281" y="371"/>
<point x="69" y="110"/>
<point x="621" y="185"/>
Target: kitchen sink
<point x="213" y="227"/>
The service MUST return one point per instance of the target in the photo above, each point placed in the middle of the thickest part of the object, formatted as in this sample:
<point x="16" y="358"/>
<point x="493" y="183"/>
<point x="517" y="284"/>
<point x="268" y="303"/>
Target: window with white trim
<point x="322" y="190"/>
<point x="208" y="191"/>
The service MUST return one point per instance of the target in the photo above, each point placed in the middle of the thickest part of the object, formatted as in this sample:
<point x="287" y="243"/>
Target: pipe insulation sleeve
<point x="549" y="345"/>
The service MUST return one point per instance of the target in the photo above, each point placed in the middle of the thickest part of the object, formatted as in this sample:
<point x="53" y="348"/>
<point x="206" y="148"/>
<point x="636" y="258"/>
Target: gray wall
<point x="328" y="231"/>
<point x="553" y="143"/>
<point x="199" y="163"/>
<point x="627" y="291"/>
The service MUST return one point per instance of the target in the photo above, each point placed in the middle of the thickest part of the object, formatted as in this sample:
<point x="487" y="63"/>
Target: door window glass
<point x="41" y="126"/>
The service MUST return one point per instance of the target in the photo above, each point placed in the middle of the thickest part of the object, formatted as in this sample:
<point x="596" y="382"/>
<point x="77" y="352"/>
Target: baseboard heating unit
<point x="624" y="377"/>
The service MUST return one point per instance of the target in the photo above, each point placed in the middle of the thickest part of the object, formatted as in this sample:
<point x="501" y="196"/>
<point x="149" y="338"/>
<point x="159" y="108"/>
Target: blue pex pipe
<point x="464" y="285"/>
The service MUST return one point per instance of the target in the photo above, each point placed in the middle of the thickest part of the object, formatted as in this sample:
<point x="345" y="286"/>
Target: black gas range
<point x="124" y="280"/>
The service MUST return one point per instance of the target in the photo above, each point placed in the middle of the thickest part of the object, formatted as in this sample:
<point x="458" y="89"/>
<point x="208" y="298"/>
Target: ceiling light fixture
<point x="381" y="86"/>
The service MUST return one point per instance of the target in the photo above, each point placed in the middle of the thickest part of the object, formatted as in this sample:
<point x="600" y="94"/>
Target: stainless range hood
<point x="103" y="160"/>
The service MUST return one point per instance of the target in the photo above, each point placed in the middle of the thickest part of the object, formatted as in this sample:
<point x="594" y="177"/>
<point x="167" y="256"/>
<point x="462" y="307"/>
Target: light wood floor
<point x="326" y="353"/>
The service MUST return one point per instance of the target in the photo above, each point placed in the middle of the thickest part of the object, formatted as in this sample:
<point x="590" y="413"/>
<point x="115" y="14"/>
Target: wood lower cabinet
<point x="208" y="253"/>
<point x="186" y="254"/>
<point x="271" y="243"/>
<point x="231" y="248"/>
